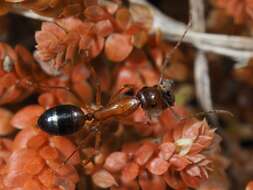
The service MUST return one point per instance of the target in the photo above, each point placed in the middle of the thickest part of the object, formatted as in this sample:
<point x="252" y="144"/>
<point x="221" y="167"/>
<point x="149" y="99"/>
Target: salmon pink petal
<point x="34" y="166"/>
<point x="123" y="18"/>
<point x="205" y="141"/>
<point x="130" y="172"/>
<point x="95" y="13"/>
<point x="173" y="181"/>
<point x="23" y="137"/>
<point x="60" y="168"/>
<point x="142" y="15"/>
<point x="196" y="158"/>
<point x="158" y="166"/>
<point x="6" y="144"/>
<point x="37" y="141"/>
<point x="5" y="122"/>
<point x="80" y="72"/>
<point x="130" y="148"/>
<point x="166" y="150"/>
<point x="88" y="3"/>
<point x="148" y="182"/>
<point x="20" y="158"/>
<point x="27" y="117"/>
<point x="115" y="161"/>
<point x="49" y="153"/>
<point x="47" y="100"/>
<point x="144" y="153"/>
<point x="179" y="162"/>
<point x="249" y="186"/>
<point x="103" y="179"/>
<point x="110" y="6"/>
<point x="66" y="147"/>
<point x="32" y="184"/>
<point x="194" y="171"/>
<point x="65" y="183"/>
<point x="73" y="177"/>
<point x="54" y="29"/>
<point x="192" y="132"/>
<point x="114" y="49"/>
<point x="47" y="178"/>
<point x="83" y="90"/>
<point x="196" y="148"/>
<point x="96" y="46"/>
<point x="14" y="179"/>
<point x="104" y="28"/>
<point x="190" y="181"/>
<point x="140" y="39"/>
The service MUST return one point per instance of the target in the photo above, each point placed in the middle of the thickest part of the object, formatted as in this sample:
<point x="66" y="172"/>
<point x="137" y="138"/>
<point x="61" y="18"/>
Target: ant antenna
<point x="203" y="113"/>
<point x="175" y="114"/>
<point x="171" y="52"/>
<point x="32" y="84"/>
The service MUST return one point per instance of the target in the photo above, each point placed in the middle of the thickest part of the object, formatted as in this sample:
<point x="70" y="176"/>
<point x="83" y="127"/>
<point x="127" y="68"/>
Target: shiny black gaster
<point x="62" y="120"/>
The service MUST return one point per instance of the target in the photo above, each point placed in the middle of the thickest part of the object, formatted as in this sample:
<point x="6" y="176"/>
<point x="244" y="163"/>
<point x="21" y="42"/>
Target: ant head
<point x="166" y="88"/>
<point x="152" y="100"/>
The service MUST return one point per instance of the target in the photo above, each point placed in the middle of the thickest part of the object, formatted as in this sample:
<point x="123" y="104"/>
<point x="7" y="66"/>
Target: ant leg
<point x="129" y="122"/>
<point x="39" y="86"/>
<point x="116" y="94"/>
<point x="220" y="112"/>
<point x="98" y="140"/>
<point x="97" y="84"/>
<point x="175" y="114"/>
<point x="81" y="144"/>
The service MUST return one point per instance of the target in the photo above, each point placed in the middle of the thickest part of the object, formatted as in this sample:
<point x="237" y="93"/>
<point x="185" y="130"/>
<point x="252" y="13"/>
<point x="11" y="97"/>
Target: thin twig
<point x="236" y="47"/>
<point x="197" y="12"/>
<point x="31" y="14"/>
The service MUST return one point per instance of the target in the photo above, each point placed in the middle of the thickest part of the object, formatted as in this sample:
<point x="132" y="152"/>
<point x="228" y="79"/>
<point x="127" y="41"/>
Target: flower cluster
<point x="48" y="7"/>
<point x="240" y="10"/>
<point x="5" y="152"/>
<point x="178" y="159"/>
<point x="36" y="162"/>
<point x="20" y="76"/>
<point x="73" y="39"/>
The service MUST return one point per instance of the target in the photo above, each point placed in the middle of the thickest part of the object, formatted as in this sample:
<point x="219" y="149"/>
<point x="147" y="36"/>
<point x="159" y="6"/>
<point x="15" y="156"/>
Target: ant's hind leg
<point x="97" y="84"/>
<point x="81" y="145"/>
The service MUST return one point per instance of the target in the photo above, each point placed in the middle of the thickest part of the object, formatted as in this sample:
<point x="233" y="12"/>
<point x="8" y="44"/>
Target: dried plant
<point x="117" y="47"/>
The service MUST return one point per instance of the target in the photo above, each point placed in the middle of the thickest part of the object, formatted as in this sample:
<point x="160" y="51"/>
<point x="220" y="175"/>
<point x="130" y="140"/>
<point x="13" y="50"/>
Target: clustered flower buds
<point x="240" y="10"/>
<point x="103" y="29"/>
<point x="36" y="162"/>
<point x="179" y="160"/>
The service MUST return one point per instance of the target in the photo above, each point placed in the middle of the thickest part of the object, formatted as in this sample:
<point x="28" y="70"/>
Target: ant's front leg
<point x="118" y="92"/>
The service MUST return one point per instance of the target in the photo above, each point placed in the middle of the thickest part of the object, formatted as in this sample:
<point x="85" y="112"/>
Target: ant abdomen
<point x="62" y="120"/>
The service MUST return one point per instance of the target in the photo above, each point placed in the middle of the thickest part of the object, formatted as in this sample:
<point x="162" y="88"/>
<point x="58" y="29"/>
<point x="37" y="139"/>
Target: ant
<point x="68" y="119"/>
